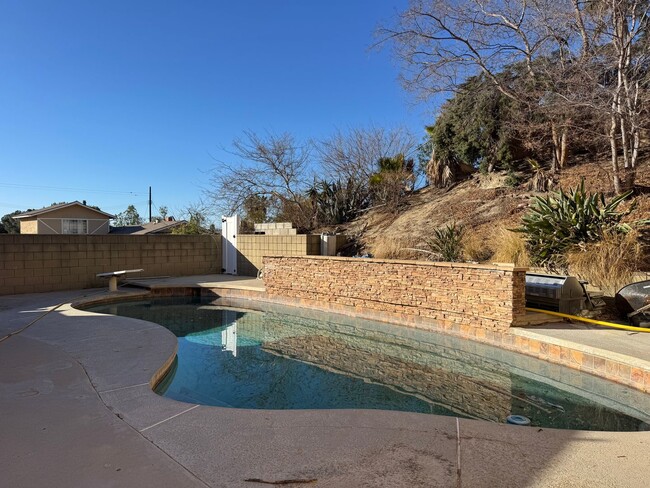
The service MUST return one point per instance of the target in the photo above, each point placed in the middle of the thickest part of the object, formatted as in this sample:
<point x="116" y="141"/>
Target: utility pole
<point x="149" y="204"/>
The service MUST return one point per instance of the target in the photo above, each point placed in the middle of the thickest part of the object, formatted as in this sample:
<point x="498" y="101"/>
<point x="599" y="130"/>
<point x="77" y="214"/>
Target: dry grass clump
<point x="608" y="264"/>
<point x="509" y="247"/>
<point x="476" y="248"/>
<point x="390" y="248"/>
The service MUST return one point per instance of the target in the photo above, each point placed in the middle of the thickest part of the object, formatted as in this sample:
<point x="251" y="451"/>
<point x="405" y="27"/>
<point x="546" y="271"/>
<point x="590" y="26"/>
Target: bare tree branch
<point x="272" y="166"/>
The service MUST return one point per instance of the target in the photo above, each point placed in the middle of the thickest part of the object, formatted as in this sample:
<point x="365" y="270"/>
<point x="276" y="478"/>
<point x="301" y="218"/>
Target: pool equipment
<point x="564" y="294"/>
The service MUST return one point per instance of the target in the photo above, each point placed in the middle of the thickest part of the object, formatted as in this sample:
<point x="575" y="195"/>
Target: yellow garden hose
<point x="590" y="321"/>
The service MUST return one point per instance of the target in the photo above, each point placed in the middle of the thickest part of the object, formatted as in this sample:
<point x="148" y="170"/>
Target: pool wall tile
<point x="636" y="377"/>
<point x="599" y="366"/>
<point x="555" y="352"/>
<point x="587" y="362"/>
<point x="624" y="373"/>
<point x="611" y="369"/>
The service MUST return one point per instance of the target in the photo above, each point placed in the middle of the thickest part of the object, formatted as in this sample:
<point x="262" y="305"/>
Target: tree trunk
<point x="559" y="138"/>
<point x="555" y="164"/>
<point x="625" y="103"/>
<point x="563" y="147"/>
<point x="614" y="152"/>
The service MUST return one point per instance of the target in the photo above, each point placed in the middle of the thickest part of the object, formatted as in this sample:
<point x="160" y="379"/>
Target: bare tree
<point x="355" y="154"/>
<point x="271" y="166"/>
<point x="443" y="42"/>
<point x="196" y="216"/>
<point x="620" y="27"/>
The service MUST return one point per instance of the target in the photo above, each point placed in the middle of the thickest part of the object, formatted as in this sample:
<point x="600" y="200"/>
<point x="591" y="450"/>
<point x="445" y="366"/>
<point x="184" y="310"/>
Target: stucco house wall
<point x="50" y="221"/>
<point x="29" y="226"/>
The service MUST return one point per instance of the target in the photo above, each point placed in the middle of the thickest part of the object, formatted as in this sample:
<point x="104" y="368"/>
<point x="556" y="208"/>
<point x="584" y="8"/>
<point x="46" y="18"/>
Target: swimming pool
<point x="274" y="357"/>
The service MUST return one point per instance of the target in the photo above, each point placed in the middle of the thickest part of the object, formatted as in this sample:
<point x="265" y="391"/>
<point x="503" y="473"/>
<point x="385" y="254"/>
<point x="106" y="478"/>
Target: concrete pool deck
<point x="78" y="410"/>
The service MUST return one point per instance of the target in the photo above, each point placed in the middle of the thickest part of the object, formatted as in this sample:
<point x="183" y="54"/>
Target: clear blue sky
<point x="112" y="97"/>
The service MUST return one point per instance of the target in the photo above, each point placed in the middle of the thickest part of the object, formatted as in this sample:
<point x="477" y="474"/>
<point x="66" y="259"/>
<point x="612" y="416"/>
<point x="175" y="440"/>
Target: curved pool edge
<point x="223" y="447"/>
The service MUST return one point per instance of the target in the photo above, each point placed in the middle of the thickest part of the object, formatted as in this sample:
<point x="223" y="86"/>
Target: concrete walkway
<point x="77" y="410"/>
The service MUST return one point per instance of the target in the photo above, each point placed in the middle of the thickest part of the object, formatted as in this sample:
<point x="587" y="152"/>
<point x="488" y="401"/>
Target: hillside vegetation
<point x="484" y="203"/>
<point x="489" y="208"/>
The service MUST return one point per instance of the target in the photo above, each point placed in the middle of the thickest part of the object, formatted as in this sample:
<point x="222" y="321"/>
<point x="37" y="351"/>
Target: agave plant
<point x="555" y="223"/>
<point x="337" y="202"/>
<point x="446" y="242"/>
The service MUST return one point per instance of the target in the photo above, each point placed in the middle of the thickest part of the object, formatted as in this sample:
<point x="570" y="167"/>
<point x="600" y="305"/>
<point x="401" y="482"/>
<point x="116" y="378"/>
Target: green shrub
<point x="513" y="180"/>
<point x="556" y="223"/>
<point x="447" y="242"/>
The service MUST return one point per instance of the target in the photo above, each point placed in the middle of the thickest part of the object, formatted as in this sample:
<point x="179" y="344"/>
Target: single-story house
<point x="65" y="218"/>
<point x="156" y="227"/>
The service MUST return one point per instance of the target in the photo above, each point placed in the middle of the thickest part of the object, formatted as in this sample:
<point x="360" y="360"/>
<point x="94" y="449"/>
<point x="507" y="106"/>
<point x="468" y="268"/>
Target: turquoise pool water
<point x="284" y="358"/>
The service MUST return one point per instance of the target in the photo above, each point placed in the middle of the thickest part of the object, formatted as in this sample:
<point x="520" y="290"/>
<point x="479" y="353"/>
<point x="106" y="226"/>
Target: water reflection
<point x="229" y="338"/>
<point x="272" y="359"/>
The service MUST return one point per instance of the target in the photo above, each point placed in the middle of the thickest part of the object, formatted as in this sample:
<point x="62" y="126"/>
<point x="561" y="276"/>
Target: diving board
<point x="113" y="275"/>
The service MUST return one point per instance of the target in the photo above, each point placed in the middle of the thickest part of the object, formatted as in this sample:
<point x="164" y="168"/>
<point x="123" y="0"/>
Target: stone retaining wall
<point x="489" y="297"/>
<point x="43" y="263"/>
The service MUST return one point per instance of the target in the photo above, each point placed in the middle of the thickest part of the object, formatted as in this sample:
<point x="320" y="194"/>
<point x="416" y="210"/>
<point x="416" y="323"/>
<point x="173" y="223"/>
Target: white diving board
<point x="113" y="275"/>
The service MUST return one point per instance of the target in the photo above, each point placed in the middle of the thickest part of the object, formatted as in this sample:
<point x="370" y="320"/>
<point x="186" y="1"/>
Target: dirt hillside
<point x="483" y="204"/>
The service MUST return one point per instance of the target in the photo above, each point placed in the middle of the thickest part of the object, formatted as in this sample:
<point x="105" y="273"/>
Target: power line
<point x="15" y="206"/>
<point x="62" y="188"/>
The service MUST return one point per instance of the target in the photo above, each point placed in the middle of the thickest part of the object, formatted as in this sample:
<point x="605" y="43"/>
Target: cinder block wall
<point x="490" y="297"/>
<point x="252" y="248"/>
<point x="41" y="263"/>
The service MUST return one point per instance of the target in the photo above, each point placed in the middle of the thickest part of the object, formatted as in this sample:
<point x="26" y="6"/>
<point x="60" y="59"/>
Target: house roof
<point x="51" y="208"/>
<point x="149" y="228"/>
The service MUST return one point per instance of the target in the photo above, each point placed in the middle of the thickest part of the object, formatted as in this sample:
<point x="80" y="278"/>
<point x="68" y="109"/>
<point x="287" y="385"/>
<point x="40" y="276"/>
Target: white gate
<point x="229" y="231"/>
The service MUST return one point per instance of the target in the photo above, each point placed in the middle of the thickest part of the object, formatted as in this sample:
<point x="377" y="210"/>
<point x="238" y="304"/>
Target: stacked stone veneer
<point x="490" y="297"/>
<point x="42" y="263"/>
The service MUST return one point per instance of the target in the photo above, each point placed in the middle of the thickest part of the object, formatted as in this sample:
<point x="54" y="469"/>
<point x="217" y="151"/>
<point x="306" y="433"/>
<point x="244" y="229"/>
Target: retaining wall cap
<point x="436" y="264"/>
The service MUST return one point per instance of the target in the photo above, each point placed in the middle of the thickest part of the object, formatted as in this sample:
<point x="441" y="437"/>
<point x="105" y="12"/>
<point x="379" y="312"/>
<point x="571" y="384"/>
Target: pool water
<point x="285" y="358"/>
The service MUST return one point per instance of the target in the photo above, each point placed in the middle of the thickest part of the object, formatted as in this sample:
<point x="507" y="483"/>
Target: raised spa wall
<point x="471" y="295"/>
